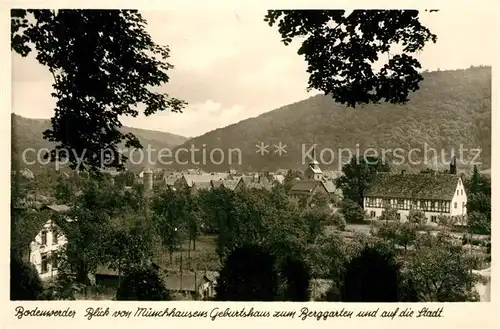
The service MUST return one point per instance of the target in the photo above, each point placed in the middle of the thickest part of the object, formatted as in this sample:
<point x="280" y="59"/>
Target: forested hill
<point x="452" y="108"/>
<point x="28" y="133"/>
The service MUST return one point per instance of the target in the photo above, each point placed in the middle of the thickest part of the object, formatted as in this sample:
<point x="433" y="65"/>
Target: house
<point x="187" y="180"/>
<point x="314" y="183"/>
<point x="47" y="242"/>
<point x="231" y="184"/>
<point x="434" y="194"/>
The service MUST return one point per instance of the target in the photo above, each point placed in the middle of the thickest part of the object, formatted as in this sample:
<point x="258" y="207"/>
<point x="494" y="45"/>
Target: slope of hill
<point x="28" y="133"/>
<point x="451" y="110"/>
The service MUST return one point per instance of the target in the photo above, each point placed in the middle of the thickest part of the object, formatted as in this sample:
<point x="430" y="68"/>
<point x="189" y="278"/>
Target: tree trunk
<point x="194" y="244"/>
<point x="189" y="249"/>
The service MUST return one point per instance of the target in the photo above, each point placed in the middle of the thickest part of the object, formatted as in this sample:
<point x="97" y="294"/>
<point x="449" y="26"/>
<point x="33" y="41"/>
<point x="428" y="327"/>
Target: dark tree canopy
<point x="297" y="276"/>
<point x="373" y="276"/>
<point x="358" y="174"/>
<point x="340" y="48"/>
<point x="248" y="274"/>
<point x="142" y="284"/>
<point x="25" y="283"/>
<point x="104" y="65"/>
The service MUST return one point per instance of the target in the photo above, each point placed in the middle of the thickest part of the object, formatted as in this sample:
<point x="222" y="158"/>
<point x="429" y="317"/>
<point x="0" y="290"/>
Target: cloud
<point x="230" y="65"/>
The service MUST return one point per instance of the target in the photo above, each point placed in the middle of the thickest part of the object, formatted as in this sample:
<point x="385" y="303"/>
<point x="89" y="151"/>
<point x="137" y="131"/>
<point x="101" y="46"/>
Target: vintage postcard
<point x="265" y="164"/>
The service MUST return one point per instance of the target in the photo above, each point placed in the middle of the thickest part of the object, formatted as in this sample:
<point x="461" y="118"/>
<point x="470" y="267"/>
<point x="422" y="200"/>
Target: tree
<point x="406" y="235"/>
<point x="440" y="271"/>
<point x="341" y="47"/>
<point x="373" y="276"/>
<point x="446" y="221"/>
<point x="389" y="214"/>
<point x="297" y="278"/>
<point x="130" y="242"/>
<point x="99" y="76"/>
<point x="142" y="284"/>
<point x="417" y="217"/>
<point x="25" y="283"/>
<point x="315" y="220"/>
<point x="352" y="212"/>
<point x="357" y="175"/>
<point x="248" y="274"/>
<point x="479" y="223"/>
<point x="338" y="220"/>
<point x="168" y="216"/>
<point x="89" y="228"/>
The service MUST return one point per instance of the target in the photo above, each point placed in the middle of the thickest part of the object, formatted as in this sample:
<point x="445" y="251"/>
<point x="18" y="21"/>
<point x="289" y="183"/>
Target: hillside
<point x="29" y="132"/>
<point x="452" y="108"/>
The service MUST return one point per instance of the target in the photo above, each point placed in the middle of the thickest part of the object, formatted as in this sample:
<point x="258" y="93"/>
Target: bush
<point x="248" y="274"/>
<point x="297" y="277"/>
<point x="25" y="283"/>
<point x="142" y="284"/>
<point x="338" y="221"/>
<point x="352" y="211"/>
<point x="373" y="276"/>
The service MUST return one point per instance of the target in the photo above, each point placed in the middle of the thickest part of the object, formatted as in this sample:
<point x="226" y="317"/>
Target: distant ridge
<point x="452" y="108"/>
<point x="29" y="134"/>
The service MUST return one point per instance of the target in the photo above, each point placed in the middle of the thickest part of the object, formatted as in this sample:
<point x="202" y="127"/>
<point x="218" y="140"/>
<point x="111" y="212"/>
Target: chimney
<point x="453" y="165"/>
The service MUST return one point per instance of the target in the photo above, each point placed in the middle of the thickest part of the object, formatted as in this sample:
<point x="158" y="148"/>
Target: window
<point x="462" y="192"/>
<point x="44" y="238"/>
<point x="54" y="236"/>
<point x="456" y="205"/>
<point x="373" y="214"/>
<point x="434" y="219"/>
<point x="463" y="204"/>
<point x="45" y="264"/>
<point x="458" y="192"/>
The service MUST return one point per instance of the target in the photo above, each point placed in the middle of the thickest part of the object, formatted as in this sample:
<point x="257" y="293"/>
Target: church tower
<point x="313" y="171"/>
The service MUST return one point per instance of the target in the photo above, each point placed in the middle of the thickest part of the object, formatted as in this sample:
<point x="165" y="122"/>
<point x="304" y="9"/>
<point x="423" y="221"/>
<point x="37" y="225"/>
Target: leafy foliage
<point x="417" y="217"/>
<point x="389" y="214"/>
<point x="373" y="276"/>
<point x="99" y="75"/>
<point x="352" y="211"/>
<point x="248" y="275"/>
<point x="440" y="271"/>
<point x="142" y="284"/>
<point x="297" y="277"/>
<point x="357" y="176"/>
<point x="340" y="49"/>
<point x="25" y="283"/>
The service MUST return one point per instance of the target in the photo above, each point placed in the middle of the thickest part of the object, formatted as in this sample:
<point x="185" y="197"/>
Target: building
<point x="47" y="242"/>
<point x="314" y="182"/>
<point x="433" y="194"/>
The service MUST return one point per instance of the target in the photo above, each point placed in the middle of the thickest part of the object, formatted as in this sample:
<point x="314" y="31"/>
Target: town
<point x="284" y="156"/>
<point x="192" y="227"/>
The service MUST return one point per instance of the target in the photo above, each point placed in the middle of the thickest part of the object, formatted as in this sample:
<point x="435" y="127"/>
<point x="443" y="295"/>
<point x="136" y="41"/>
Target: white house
<point x="45" y="245"/>
<point x="433" y="194"/>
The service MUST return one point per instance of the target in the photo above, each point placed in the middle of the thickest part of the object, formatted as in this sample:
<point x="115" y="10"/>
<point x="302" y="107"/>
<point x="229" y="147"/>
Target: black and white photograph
<point x="298" y="155"/>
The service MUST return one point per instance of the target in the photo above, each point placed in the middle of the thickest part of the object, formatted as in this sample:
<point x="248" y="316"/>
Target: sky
<point x="230" y="65"/>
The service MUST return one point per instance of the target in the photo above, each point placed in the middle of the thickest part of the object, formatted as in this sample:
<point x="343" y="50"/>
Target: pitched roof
<point x="230" y="184"/>
<point x="202" y="185"/>
<point x="304" y="186"/>
<point x="190" y="179"/>
<point x="329" y="186"/>
<point x="417" y="186"/>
